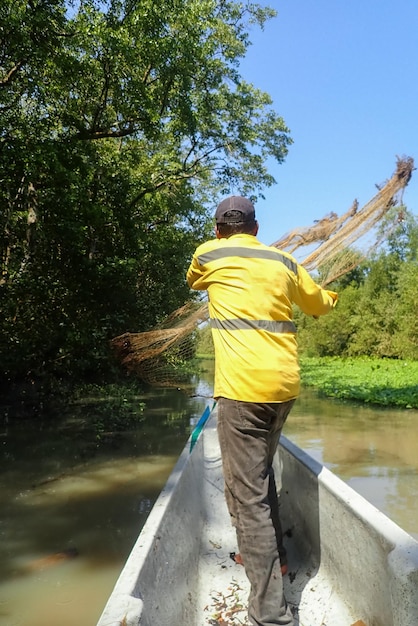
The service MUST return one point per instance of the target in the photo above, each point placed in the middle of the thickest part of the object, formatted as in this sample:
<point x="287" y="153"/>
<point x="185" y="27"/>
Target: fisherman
<point x="251" y="290"/>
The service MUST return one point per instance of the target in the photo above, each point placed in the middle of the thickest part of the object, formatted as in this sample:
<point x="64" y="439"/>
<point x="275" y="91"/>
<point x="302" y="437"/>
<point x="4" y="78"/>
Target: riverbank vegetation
<point x="367" y="349"/>
<point x="384" y="382"/>
<point x="121" y="123"/>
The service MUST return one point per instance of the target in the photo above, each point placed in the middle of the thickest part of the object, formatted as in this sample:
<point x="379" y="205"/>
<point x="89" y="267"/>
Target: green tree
<point x="401" y="228"/>
<point x="121" y="124"/>
<point x="329" y="335"/>
<point x="405" y="340"/>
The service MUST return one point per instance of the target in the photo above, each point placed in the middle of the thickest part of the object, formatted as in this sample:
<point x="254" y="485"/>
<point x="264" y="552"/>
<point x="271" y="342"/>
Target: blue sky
<point x="344" y="76"/>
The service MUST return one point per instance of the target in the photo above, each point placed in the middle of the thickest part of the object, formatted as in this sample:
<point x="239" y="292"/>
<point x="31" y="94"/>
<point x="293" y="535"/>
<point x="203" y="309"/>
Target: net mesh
<point x="327" y="248"/>
<point x="155" y="355"/>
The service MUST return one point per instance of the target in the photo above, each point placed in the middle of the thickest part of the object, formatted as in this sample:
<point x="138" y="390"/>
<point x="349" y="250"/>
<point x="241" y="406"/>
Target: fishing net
<point x="158" y="356"/>
<point x="325" y="249"/>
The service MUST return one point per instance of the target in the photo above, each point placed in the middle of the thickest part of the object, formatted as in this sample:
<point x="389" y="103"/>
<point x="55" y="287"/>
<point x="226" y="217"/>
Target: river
<point x="72" y="504"/>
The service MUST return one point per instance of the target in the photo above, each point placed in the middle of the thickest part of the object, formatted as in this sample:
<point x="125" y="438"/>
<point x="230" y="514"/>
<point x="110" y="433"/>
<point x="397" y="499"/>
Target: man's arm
<point x="311" y="298"/>
<point x="194" y="273"/>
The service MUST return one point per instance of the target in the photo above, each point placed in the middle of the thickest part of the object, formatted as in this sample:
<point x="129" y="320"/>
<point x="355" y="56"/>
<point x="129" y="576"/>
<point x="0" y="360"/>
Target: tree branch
<point x="88" y="135"/>
<point x="10" y="75"/>
<point x="103" y="96"/>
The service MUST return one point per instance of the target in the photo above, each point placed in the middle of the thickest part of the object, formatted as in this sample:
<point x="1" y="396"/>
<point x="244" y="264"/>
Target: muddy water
<point x="374" y="450"/>
<point x="72" y="506"/>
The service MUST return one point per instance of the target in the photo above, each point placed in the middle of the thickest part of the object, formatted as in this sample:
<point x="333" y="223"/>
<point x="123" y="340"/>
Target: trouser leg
<point x="248" y="433"/>
<point x="274" y="507"/>
<point x="282" y="411"/>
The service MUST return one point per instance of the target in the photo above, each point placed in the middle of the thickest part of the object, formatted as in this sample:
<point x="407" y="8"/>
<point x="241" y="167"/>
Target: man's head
<point x="235" y="215"/>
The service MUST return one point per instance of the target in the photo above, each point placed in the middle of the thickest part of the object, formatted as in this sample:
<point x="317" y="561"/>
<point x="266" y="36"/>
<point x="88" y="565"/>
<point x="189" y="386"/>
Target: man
<point x="251" y="290"/>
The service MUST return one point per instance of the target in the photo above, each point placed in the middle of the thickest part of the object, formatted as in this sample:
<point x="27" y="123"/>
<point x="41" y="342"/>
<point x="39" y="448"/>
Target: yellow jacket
<point x="251" y="289"/>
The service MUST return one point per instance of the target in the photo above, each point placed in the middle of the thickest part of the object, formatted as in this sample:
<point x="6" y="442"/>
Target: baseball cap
<point x="235" y="209"/>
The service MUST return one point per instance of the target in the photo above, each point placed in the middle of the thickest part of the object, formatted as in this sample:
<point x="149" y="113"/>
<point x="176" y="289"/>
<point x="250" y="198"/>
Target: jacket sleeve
<point x="194" y="274"/>
<point x="311" y="298"/>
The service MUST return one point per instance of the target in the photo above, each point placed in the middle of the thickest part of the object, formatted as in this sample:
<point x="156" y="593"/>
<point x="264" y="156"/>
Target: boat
<point x="349" y="564"/>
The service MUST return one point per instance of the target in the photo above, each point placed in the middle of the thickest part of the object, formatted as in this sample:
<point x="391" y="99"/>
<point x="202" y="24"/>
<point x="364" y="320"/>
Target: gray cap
<point x="235" y="209"/>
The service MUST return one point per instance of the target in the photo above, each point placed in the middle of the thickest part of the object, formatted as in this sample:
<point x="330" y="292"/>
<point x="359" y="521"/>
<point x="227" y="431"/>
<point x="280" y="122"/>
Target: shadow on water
<point x="73" y="502"/>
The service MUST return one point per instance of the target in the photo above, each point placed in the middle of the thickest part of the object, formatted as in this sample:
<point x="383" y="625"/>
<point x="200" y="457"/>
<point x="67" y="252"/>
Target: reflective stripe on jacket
<point x="251" y="290"/>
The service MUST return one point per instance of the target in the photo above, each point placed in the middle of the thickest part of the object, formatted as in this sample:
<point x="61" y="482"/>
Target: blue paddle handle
<point x="200" y="424"/>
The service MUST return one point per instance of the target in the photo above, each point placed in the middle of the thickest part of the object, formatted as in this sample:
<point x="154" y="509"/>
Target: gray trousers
<point x="248" y="436"/>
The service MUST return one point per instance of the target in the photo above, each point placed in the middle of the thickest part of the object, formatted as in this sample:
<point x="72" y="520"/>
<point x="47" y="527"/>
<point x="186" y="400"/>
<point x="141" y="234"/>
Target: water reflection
<point x="61" y="488"/>
<point x="72" y="506"/>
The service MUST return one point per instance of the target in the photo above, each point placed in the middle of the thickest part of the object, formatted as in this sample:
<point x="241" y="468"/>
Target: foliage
<point x="376" y="311"/>
<point x="120" y="124"/>
<point x="405" y="341"/>
<point x="377" y="381"/>
<point x="204" y="342"/>
<point x="399" y="229"/>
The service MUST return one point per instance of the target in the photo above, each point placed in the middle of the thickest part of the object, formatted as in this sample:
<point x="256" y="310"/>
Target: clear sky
<point x="344" y="76"/>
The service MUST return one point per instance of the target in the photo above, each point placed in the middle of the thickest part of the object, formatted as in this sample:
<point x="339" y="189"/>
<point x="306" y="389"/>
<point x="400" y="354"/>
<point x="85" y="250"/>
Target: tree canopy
<point x="121" y="123"/>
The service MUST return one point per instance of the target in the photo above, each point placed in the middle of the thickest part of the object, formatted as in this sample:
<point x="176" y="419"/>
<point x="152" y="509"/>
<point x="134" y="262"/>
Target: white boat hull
<point x="348" y="563"/>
